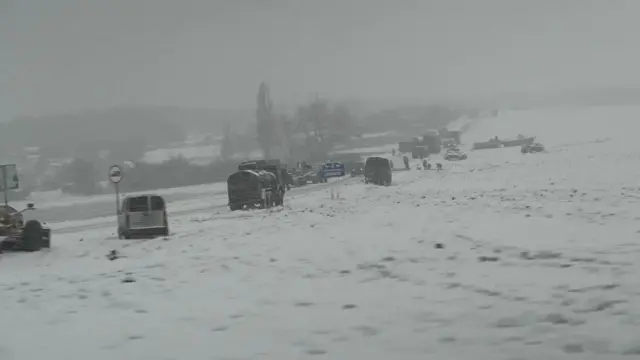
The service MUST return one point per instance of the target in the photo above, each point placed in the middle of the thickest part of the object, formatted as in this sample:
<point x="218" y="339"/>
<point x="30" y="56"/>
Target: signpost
<point x="332" y="170"/>
<point x="8" y="180"/>
<point x="115" y="176"/>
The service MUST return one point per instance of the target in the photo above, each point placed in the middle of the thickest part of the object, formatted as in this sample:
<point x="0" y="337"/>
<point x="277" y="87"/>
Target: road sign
<point x="8" y="180"/>
<point x="115" y="174"/>
<point x="9" y="177"/>
<point x="333" y="169"/>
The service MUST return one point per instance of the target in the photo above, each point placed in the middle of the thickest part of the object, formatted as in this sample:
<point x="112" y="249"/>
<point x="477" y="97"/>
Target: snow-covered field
<point x="503" y="256"/>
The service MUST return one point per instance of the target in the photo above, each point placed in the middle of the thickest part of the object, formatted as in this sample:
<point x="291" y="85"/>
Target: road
<point x="104" y="213"/>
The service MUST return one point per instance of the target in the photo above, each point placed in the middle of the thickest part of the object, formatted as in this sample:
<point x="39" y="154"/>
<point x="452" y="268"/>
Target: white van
<point x="143" y="216"/>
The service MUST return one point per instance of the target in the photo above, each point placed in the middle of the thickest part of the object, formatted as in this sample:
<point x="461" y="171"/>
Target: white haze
<point x="64" y="55"/>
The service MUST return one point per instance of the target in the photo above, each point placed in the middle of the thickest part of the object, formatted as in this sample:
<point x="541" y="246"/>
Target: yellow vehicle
<point x="16" y="235"/>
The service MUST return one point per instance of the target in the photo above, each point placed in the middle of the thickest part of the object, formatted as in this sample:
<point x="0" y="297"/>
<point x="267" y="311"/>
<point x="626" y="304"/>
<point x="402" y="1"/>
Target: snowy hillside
<point x="502" y="256"/>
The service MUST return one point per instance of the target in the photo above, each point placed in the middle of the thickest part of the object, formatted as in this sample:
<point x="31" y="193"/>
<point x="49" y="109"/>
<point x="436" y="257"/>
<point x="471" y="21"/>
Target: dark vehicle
<point x="419" y="152"/>
<point x="357" y="169"/>
<point x="252" y="165"/>
<point x="521" y="140"/>
<point x="377" y="170"/>
<point x="15" y="235"/>
<point x="283" y="180"/>
<point x="533" y="148"/>
<point x="253" y="189"/>
<point x="433" y="142"/>
<point x="489" y="144"/>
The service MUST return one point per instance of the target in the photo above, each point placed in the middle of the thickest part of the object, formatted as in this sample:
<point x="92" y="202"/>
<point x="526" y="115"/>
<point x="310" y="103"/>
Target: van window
<point x="139" y="203"/>
<point x="157" y="203"/>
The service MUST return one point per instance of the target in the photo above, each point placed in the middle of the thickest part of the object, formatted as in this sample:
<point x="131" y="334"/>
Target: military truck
<point x="248" y="189"/>
<point x="274" y="166"/>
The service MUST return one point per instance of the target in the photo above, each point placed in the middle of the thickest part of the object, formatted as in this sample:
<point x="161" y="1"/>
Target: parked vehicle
<point x="521" y="140"/>
<point x="533" y="148"/>
<point x="377" y="170"/>
<point x="489" y="144"/>
<point x="253" y="189"/>
<point x="16" y="235"/>
<point x="357" y="169"/>
<point x="143" y="216"/>
<point x="455" y="154"/>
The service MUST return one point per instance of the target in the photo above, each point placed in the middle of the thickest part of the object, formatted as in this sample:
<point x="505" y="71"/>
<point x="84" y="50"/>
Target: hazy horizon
<point x="67" y="55"/>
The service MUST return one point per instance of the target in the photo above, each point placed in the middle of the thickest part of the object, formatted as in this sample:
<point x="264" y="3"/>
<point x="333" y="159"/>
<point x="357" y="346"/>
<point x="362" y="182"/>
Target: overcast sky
<point x="62" y="55"/>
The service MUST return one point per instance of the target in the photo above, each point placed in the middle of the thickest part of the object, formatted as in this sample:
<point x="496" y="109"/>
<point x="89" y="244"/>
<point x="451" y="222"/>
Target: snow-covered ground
<point x="503" y="256"/>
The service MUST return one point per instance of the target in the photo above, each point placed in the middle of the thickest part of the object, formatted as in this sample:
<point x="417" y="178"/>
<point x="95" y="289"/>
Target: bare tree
<point x="227" y="149"/>
<point x="341" y="123"/>
<point x="265" y="120"/>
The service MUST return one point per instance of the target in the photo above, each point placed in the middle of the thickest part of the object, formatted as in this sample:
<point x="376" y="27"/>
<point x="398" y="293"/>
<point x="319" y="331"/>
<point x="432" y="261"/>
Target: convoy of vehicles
<point x="256" y="184"/>
<point x="496" y="143"/>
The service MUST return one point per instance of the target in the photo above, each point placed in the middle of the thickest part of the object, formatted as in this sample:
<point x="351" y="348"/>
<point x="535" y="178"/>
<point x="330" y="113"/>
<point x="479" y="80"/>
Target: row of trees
<point x="310" y="133"/>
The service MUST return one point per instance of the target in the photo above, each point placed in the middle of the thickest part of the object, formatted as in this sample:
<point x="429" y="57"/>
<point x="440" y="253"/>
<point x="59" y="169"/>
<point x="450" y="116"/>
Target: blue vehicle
<point x="331" y="170"/>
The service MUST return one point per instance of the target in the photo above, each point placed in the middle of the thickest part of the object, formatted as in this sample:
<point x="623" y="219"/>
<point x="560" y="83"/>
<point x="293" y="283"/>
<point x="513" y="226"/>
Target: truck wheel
<point x="32" y="236"/>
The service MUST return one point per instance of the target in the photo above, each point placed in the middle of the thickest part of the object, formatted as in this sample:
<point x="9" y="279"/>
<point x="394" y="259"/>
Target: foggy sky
<point x="65" y="55"/>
